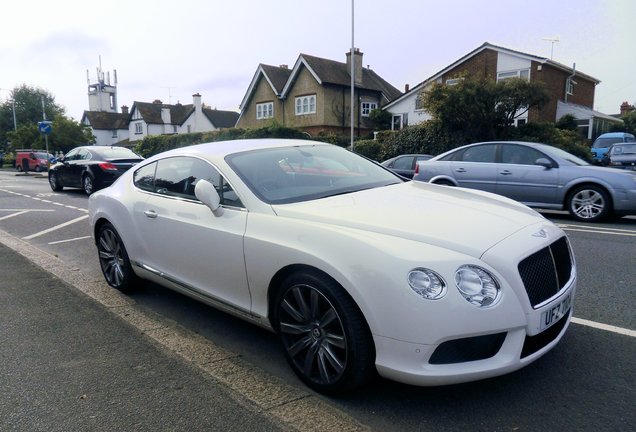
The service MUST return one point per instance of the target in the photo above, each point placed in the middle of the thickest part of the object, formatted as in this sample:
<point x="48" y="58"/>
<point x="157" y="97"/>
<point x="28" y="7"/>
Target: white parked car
<point x="354" y="268"/>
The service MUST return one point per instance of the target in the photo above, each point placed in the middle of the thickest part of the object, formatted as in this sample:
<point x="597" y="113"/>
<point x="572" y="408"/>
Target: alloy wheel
<point x="111" y="257"/>
<point x="87" y="183"/>
<point x="588" y="204"/>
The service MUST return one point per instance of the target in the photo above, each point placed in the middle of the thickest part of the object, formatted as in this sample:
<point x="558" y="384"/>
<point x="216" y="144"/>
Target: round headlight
<point x="427" y="283"/>
<point x="477" y="286"/>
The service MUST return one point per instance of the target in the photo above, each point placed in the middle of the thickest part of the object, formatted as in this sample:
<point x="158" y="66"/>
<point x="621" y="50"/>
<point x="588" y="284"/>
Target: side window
<point x="177" y="177"/>
<point x="514" y="154"/>
<point x="144" y="177"/>
<point x="72" y="155"/>
<point x="405" y="163"/>
<point x="481" y="153"/>
<point x="83" y="155"/>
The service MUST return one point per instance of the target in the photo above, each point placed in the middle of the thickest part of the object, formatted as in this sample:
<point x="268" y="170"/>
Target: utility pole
<point x="46" y="136"/>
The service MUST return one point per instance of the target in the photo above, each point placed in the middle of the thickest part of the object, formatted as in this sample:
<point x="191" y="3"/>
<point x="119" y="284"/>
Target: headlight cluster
<point x="475" y="284"/>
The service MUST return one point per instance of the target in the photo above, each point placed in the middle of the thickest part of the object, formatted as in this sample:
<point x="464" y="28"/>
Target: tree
<point x="482" y="110"/>
<point x="629" y="122"/>
<point x="381" y="119"/>
<point x="28" y="101"/>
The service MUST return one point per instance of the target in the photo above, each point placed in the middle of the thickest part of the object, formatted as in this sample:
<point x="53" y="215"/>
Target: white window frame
<point x="305" y="105"/>
<point x="264" y="110"/>
<point x="519" y="73"/>
<point x="366" y="108"/>
<point x="453" y="81"/>
<point x="139" y="129"/>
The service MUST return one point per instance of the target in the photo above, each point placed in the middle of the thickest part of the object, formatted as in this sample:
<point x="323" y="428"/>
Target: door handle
<point x="461" y="170"/>
<point x="505" y="172"/>
<point x="151" y="214"/>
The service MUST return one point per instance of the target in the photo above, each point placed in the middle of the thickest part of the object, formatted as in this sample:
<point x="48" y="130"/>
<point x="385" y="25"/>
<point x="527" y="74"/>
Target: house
<point x="109" y="128"/>
<point x="157" y="118"/>
<point x="315" y="95"/>
<point x="571" y="91"/>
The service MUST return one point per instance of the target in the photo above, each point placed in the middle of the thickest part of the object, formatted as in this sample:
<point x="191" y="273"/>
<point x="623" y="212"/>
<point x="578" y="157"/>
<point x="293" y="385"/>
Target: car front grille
<point x="546" y="272"/>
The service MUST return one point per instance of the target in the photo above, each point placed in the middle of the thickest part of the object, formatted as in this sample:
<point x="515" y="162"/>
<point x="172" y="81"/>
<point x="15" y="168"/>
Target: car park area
<point x="585" y="383"/>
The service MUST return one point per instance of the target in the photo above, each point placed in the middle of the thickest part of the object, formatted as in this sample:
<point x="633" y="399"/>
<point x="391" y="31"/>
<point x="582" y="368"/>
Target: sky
<point x="170" y="50"/>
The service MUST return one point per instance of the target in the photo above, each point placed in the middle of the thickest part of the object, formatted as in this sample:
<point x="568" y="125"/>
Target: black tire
<point x="444" y="183"/>
<point x="54" y="182"/>
<point x="589" y="203"/>
<point x="113" y="259"/>
<point x="88" y="184"/>
<point x="326" y="340"/>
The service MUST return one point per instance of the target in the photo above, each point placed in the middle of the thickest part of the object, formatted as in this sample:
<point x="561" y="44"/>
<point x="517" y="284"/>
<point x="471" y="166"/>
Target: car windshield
<point x="286" y="175"/>
<point x="606" y="142"/>
<point x="43" y="155"/>
<point x="562" y="154"/>
<point x="623" y="149"/>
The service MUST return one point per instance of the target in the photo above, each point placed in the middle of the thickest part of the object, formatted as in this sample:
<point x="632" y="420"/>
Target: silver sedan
<point x="538" y="175"/>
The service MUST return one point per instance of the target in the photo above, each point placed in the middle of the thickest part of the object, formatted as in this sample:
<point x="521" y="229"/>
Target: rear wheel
<point x="54" y="181"/>
<point x="113" y="259"/>
<point x="88" y="184"/>
<point x="589" y="203"/>
<point x="325" y="337"/>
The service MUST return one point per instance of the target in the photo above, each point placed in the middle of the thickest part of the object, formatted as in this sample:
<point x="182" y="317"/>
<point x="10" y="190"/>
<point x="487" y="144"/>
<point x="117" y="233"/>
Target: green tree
<point x="66" y="134"/>
<point x="381" y="119"/>
<point x="629" y="122"/>
<point x="482" y="110"/>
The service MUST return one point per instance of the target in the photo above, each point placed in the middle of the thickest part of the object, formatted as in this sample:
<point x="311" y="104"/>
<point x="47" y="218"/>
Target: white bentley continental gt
<point x="355" y="269"/>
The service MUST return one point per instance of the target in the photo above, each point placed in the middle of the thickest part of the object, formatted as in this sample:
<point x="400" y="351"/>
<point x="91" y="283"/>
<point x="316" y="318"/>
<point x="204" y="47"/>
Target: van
<point x="605" y="141"/>
<point x="32" y="160"/>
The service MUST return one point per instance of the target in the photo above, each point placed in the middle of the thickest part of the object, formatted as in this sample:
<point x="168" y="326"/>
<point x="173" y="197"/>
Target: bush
<point x="548" y="133"/>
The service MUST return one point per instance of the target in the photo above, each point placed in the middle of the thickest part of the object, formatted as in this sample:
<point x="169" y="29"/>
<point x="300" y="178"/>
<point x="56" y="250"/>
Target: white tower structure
<point x="102" y="95"/>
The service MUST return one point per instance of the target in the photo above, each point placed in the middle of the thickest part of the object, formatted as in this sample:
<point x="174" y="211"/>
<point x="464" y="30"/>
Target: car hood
<point x="466" y="221"/>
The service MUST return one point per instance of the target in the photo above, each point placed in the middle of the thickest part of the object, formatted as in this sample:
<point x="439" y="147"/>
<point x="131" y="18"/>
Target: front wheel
<point x="589" y="203"/>
<point x="113" y="259"/>
<point x="326" y="339"/>
<point x="54" y="181"/>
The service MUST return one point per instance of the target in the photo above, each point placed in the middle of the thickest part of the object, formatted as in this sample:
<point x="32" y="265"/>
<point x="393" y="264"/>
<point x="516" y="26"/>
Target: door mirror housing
<point x="207" y="194"/>
<point x="544" y="162"/>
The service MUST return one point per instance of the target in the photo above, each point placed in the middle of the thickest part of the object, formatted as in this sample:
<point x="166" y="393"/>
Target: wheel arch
<point x="443" y="179"/>
<point x="571" y="188"/>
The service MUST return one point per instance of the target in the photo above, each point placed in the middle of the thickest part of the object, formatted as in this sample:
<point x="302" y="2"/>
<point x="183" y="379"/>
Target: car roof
<point x="615" y="135"/>
<point x="223" y="148"/>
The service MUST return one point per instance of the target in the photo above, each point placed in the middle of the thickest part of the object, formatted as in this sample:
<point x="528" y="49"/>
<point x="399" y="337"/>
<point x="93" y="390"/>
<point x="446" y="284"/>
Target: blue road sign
<point x="45" y="127"/>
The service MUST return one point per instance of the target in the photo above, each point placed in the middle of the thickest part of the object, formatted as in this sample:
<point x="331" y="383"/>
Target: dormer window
<point x="367" y="107"/>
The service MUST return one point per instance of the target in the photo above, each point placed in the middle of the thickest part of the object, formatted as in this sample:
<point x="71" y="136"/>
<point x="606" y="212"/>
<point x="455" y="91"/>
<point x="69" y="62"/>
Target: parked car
<point x="404" y="165"/>
<point x="537" y="175"/>
<point x="353" y="268"/>
<point x="91" y="167"/>
<point x="621" y="155"/>
<point x="32" y="160"/>
<point x="604" y="142"/>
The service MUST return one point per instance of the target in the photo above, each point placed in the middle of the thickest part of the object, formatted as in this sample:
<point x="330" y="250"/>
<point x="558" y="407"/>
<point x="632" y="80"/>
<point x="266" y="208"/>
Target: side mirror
<point x="546" y="163"/>
<point x="207" y="194"/>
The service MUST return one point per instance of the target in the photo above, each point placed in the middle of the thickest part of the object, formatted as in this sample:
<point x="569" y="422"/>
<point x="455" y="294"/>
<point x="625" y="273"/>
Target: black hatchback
<point x="91" y="167"/>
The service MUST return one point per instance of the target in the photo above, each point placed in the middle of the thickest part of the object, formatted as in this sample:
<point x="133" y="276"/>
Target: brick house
<point x="315" y="96"/>
<point x="571" y="91"/>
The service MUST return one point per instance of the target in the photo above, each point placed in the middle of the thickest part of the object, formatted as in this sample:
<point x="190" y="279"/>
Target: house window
<point x="453" y="81"/>
<point x="399" y="121"/>
<point x="174" y="129"/>
<point x="367" y="107"/>
<point x="114" y="133"/>
<point x="139" y="128"/>
<point x="306" y="105"/>
<point x="189" y="128"/>
<point x="522" y="73"/>
<point x="264" y="110"/>
<point x="569" y="86"/>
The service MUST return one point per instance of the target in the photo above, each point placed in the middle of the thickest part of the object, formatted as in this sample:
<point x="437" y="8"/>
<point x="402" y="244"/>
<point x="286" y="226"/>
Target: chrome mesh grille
<point x="546" y="272"/>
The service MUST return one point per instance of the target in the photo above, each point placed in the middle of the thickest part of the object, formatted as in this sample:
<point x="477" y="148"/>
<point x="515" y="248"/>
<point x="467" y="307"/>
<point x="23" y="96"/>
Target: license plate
<point x="555" y="313"/>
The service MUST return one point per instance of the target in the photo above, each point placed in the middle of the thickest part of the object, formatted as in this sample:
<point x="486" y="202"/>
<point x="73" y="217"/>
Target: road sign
<point x="45" y="127"/>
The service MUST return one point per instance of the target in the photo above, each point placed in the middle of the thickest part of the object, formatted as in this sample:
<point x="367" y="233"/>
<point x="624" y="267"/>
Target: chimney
<point x="357" y="78"/>
<point x="196" y="100"/>
<point x="165" y="116"/>
<point x="284" y="66"/>
<point x="157" y="102"/>
<point x="625" y="108"/>
<point x="124" y="109"/>
<point x="406" y="88"/>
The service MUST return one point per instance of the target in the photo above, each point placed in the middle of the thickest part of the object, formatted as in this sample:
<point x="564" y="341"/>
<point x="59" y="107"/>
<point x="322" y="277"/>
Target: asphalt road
<point x="586" y="383"/>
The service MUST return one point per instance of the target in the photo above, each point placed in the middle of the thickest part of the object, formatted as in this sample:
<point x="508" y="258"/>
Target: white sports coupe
<point x="354" y="268"/>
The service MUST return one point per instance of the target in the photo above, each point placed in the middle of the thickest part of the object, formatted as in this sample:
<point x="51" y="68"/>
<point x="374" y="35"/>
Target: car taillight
<point x="107" y="166"/>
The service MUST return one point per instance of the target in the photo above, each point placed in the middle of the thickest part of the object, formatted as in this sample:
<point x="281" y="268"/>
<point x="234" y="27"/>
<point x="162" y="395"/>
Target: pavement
<point x="67" y="364"/>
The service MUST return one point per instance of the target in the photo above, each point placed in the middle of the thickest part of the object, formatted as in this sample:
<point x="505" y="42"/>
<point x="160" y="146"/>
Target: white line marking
<point x="607" y="327"/>
<point x="55" y="228"/>
<point x="69" y="240"/>
<point x="14" y="214"/>
<point x="20" y="212"/>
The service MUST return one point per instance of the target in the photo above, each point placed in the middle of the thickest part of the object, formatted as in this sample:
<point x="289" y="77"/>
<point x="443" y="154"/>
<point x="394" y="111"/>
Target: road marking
<point x="21" y="211"/>
<point x="46" y="231"/>
<point x="46" y="201"/>
<point x="69" y="240"/>
<point x="598" y="230"/>
<point x="606" y="327"/>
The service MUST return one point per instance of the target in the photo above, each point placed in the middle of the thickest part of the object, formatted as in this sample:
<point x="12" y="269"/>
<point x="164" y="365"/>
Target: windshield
<point x="562" y="154"/>
<point x="606" y="142"/>
<point x="623" y="149"/>
<point x="291" y="174"/>
<point x="43" y="155"/>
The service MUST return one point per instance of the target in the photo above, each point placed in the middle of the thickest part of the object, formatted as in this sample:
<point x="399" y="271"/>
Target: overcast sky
<point x="169" y="50"/>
